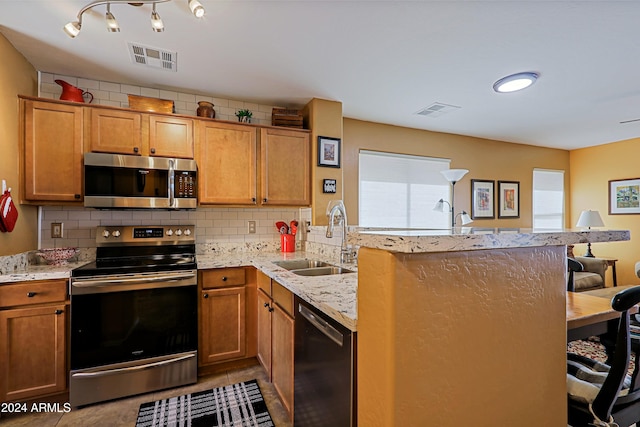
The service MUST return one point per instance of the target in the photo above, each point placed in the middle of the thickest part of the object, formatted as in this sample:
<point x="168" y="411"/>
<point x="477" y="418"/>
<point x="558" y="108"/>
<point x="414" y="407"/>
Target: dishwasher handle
<point x="323" y="326"/>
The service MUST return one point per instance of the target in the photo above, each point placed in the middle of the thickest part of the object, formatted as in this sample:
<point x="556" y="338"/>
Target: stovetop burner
<point x="141" y="249"/>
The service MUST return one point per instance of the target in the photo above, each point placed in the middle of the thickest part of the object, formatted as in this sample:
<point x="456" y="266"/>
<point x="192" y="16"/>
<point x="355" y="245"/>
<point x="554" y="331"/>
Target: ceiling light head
<point x="156" y="22"/>
<point x="112" y="24"/>
<point x="73" y="29"/>
<point x="196" y="8"/>
<point x="515" y="82"/>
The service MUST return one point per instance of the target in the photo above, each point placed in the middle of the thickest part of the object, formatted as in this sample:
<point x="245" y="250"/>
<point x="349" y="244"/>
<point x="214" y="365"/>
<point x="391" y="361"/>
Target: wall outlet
<point x="251" y="227"/>
<point x="56" y="230"/>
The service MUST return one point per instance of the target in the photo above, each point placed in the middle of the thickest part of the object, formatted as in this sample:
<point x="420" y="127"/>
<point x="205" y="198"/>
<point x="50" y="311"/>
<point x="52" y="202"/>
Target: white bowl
<point x="57" y="256"/>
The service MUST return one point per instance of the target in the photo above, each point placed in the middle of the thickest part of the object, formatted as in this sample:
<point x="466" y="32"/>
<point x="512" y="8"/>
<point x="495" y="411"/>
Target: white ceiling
<point x="384" y="60"/>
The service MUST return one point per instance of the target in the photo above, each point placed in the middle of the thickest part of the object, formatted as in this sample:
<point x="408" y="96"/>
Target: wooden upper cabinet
<point x="114" y="131"/>
<point x="135" y="133"/>
<point x="285" y="167"/>
<point x="170" y="137"/>
<point x="53" y="148"/>
<point x="226" y="158"/>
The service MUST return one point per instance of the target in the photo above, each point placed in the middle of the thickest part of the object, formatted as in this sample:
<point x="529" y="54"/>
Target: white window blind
<point x="400" y="191"/>
<point x="548" y="199"/>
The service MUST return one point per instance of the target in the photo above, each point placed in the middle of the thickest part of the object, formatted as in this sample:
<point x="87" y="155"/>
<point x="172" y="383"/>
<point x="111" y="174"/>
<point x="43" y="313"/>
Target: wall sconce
<point x="73" y="28"/>
<point x="453" y="176"/>
<point x="589" y="219"/>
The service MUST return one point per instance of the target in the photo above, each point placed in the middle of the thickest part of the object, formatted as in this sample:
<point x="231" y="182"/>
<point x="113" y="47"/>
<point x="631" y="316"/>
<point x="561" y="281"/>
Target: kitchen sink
<point x="321" y="271"/>
<point x="297" y="264"/>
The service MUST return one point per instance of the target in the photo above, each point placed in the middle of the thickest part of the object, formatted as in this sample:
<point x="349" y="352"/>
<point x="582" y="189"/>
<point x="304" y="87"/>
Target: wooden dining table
<point x="588" y="315"/>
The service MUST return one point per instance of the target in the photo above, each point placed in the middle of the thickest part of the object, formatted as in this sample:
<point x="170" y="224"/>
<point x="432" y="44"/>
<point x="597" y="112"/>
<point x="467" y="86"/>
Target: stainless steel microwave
<point x="137" y="182"/>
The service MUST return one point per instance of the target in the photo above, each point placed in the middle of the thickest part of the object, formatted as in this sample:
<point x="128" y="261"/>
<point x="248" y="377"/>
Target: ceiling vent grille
<point x="436" y="109"/>
<point x="153" y="57"/>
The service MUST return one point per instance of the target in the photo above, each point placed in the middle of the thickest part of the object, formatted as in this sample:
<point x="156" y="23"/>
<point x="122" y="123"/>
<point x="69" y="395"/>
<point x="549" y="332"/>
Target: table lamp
<point x="589" y="219"/>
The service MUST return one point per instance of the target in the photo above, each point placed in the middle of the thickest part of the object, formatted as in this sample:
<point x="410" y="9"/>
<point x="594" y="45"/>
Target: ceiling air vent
<point x="153" y="57"/>
<point x="436" y="110"/>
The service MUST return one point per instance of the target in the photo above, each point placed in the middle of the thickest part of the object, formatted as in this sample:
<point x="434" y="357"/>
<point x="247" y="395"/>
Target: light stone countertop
<point x="472" y="238"/>
<point x="334" y="295"/>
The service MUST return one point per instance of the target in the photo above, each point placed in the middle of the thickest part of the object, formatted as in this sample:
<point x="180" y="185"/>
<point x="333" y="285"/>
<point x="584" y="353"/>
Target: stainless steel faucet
<point x="346" y="255"/>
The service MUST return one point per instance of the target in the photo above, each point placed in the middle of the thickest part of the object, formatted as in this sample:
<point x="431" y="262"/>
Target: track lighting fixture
<point x="156" y="22"/>
<point x="112" y="24"/>
<point x="73" y="28"/>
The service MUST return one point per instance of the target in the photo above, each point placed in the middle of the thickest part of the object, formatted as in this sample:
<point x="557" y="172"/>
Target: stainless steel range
<point x="134" y="314"/>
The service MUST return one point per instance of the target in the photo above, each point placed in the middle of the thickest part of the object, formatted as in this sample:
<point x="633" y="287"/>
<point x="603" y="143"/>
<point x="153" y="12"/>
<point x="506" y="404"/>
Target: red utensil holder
<point x="288" y="242"/>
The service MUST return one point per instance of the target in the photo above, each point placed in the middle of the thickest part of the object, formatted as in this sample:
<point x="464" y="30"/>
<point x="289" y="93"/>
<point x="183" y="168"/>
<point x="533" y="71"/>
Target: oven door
<point x="125" y="318"/>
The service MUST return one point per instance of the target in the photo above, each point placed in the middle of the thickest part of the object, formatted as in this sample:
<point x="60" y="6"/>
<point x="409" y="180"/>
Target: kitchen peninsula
<point x="463" y="327"/>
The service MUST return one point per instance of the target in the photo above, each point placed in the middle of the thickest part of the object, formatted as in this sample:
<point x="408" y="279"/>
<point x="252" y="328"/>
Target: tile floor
<point x="123" y="412"/>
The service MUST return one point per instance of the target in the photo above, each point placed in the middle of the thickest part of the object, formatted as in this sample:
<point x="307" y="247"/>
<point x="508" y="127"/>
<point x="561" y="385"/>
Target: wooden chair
<point x="601" y="394"/>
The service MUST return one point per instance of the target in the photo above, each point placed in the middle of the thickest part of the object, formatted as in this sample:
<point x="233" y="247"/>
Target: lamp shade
<point x="439" y="207"/>
<point x="465" y="218"/>
<point x="454" y="175"/>
<point x="590" y="219"/>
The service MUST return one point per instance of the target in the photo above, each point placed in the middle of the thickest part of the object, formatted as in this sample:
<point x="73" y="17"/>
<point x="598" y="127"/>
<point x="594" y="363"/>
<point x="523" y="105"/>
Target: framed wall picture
<point x="328" y="152"/>
<point x="508" y="199"/>
<point x="482" y="199"/>
<point x="624" y="196"/>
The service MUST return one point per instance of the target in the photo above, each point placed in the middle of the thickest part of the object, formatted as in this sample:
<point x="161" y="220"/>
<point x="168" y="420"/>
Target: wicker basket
<point x="286" y="117"/>
<point x="150" y="104"/>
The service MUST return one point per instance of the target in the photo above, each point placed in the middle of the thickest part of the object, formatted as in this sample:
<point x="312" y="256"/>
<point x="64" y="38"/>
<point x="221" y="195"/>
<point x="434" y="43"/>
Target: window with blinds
<point x="548" y="199"/>
<point x="400" y="191"/>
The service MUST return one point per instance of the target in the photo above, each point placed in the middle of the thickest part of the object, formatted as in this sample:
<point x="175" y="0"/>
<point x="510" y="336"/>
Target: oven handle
<point x="131" y="368"/>
<point x="84" y="284"/>
<point x="172" y="184"/>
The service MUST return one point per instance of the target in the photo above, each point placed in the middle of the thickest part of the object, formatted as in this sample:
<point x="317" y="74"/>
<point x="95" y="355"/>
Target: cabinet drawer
<point x="36" y="292"/>
<point x="264" y="283"/>
<point x="222" y="277"/>
<point x="283" y="297"/>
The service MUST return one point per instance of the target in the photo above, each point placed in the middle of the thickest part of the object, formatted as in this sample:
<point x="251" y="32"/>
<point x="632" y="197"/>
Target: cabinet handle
<point x="153" y="151"/>
<point x="205" y="296"/>
<point x="224" y="278"/>
<point x="264" y="200"/>
<point x="58" y="312"/>
<point x="76" y="196"/>
<point x="253" y="199"/>
<point x="31" y="294"/>
<point x="135" y="149"/>
<point x="270" y="309"/>
<point x="266" y="304"/>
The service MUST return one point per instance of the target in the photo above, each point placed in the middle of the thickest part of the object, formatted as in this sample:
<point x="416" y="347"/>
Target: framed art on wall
<point x="624" y="196"/>
<point x="328" y="152"/>
<point x="508" y="199"/>
<point x="482" y="199"/>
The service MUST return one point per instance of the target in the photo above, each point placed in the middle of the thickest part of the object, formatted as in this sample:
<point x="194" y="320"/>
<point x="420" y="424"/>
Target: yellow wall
<point x="17" y="76"/>
<point x="591" y="169"/>
<point x="485" y="159"/>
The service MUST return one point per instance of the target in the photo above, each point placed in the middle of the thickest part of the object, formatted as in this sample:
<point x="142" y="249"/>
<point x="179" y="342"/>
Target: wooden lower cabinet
<point x="33" y="340"/>
<point x="223" y="325"/>
<point x="282" y="356"/>
<point x="227" y="317"/>
<point x="276" y="337"/>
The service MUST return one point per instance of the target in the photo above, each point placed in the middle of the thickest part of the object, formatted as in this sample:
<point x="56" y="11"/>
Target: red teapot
<point x="72" y="93"/>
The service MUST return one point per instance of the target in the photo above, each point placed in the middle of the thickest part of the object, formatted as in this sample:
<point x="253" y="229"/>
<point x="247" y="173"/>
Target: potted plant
<point x="244" y="115"/>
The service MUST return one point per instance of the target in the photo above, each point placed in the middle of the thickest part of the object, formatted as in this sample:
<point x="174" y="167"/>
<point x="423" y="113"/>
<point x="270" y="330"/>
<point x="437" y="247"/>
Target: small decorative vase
<point x="244" y="119"/>
<point x="205" y="109"/>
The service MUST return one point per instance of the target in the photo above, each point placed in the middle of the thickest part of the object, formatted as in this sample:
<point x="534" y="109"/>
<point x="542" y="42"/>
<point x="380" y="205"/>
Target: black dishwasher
<point x="324" y="371"/>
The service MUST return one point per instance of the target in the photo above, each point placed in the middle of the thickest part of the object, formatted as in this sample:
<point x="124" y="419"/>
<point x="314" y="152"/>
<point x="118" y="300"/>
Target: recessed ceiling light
<point x="515" y="82"/>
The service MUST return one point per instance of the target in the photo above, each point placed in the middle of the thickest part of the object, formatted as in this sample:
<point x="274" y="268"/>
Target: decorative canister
<point x="205" y="109"/>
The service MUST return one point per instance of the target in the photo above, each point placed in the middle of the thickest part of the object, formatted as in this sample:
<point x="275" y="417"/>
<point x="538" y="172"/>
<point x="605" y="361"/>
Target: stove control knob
<point x="178" y="232"/>
<point x="169" y="232"/>
<point x="116" y="233"/>
<point x="106" y="234"/>
<point x="187" y="232"/>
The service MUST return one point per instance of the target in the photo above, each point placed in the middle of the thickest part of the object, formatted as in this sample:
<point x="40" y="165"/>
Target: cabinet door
<point x="285" y="167"/>
<point x="264" y="331"/>
<point x="114" y="131"/>
<point x="170" y="137"/>
<point x="53" y="147"/>
<point x="226" y="157"/>
<point x="282" y="356"/>
<point x="32" y="352"/>
<point x="223" y="324"/>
